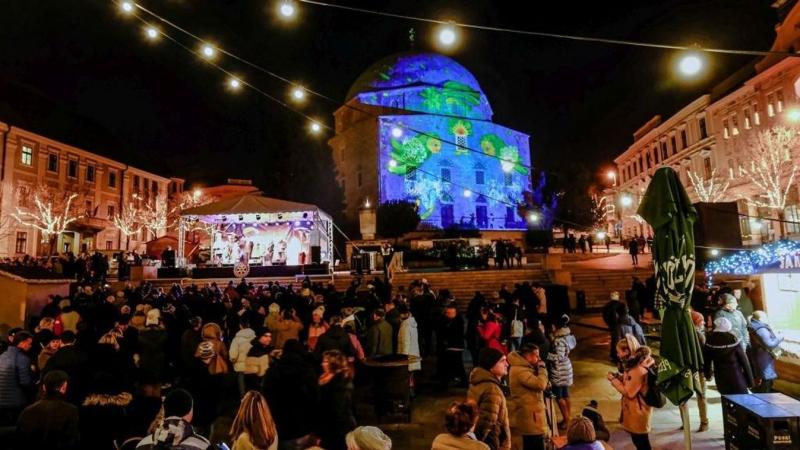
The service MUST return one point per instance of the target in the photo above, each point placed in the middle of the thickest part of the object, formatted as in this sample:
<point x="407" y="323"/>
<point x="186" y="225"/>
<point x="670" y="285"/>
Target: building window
<point x="411" y="175"/>
<point x="136" y="184"/>
<point x="664" y="154"/>
<point x="89" y="211"/>
<point x="641" y="163"/>
<point x="112" y="179"/>
<point x="154" y="188"/>
<point x="649" y="160"/>
<point x="726" y="132"/>
<point x="446" y="212"/>
<point x="707" y="167"/>
<point x="482" y="216"/>
<point x="21" y="243"/>
<point x="674" y="145"/>
<point x="779" y="100"/>
<point x="508" y="179"/>
<point x="756" y="115"/>
<point x="445" y="173"/>
<point x="109" y="245"/>
<point x="770" y="105"/>
<point x="110" y="211"/>
<point x="747" y="121"/>
<point x="734" y="126"/>
<point x="744" y="225"/>
<point x="479" y="177"/>
<point x="511" y="215"/>
<point x="792" y="217"/>
<point x="26" y="157"/>
<point x="90" y="173"/>
<point x="72" y="168"/>
<point x="52" y="162"/>
<point x="731" y="168"/>
<point x="684" y="142"/>
<point x="703" y="130"/>
<point x="657" y="153"/>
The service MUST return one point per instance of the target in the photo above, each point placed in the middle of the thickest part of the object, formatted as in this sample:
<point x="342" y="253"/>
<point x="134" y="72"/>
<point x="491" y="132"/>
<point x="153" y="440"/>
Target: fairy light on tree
<point x="156" y="217"/>
<point x="51" y="212"/>
<point x="772" y="168"/>
<point x="708" y="191"/>
<point x="129" y="222"/>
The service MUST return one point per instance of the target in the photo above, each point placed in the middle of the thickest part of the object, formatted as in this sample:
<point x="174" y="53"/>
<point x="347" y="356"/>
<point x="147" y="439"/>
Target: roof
<point x="249" y="204"/>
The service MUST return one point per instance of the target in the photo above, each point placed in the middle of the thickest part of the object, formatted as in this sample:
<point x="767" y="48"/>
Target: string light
<point x="392" y="163"/>
<point x="748" y="262"/>
<point x="315" y="127"/>
<point x="714" y="252"/>
<point x="507" y="166"/>
<point x="208" y="51"/>
<point x="397" y="132"/>
<point x="467" y="193"/>
<point x="447" y="35"/>
<point x="601" y="235"/>
<point x="298" y="93"/>
<point x="690" y="64"/>
<point x="533" y="217"/>
<point x="287" y="9"/>
<point x="151" y="32"/>
<point x="234" y="83"/>
<point x="126" y="7"/>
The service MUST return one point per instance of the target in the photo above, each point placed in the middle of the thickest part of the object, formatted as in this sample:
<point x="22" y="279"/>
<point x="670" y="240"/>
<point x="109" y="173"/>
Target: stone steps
<point x="598" y="284"/>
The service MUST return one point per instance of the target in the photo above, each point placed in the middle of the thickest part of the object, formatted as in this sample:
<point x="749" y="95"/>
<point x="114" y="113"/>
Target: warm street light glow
<point x="234" y="84"/>
<point x="611" y="174"/>
<point x="626" y="200"/>
<point x="467" y="193"/>
<point x="298" y="93"/>
<point x="287" y="9"/>
<point x="366" y="203"/>
<point x="601" y="235"/>
<point x="151" y="32"/>
<point x="507" y="166"/>
<point x="126" y="7"/>
<point x="447" y="35"/>
<point x="208" y="51"/>
<point x="690" y="64"/>
<point x="533" y="217"/>
<point x="793" y="115"/>
<point x="714" y="252"/>
<point x="397" y="132"/>
<point x="315" y="127"/>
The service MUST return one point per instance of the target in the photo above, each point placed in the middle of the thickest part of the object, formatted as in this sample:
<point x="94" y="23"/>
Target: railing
<point x="395" y="265"/>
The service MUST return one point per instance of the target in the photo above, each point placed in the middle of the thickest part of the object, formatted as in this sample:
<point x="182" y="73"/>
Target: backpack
<point x="654" y="397"/>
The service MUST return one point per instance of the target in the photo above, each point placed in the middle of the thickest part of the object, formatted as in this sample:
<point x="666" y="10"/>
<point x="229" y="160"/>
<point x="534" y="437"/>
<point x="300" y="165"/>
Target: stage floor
<point x="255" y="271"/>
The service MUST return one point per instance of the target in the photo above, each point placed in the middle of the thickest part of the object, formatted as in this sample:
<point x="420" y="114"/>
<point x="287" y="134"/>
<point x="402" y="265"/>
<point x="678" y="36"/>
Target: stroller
<point x="552" y="422"/>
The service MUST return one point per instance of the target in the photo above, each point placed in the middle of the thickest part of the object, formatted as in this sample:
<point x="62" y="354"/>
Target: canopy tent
<point x="264" y="211"/>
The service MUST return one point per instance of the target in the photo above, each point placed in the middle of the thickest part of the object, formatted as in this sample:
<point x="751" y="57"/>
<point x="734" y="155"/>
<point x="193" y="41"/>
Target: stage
<point x="202" y="273"/>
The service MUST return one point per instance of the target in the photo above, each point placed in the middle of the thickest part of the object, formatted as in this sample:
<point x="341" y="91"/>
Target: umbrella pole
<point x="687" y="432"/>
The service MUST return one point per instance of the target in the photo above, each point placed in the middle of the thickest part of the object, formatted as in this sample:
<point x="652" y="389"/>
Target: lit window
<point x="779" y="100"/>
<point x="726" y="133"/>
<point x="26" y="157"/>
<point x="756" y="115"/>
<point x="792" y="214"/>
<point x="770" y="105"/>
<point x="747" y="122"/>
<point x="734" y="126"/>
<point x="21" y="244"/>
<point x="731" y="168"/>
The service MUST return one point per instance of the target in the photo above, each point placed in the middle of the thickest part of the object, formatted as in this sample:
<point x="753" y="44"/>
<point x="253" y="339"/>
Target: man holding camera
<point x="527" y="381"/>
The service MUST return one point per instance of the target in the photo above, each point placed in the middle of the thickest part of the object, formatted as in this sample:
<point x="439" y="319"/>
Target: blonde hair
<point x="109" y="338"/>
<point x="47" y="323"/>
<point x="337" y="363"/>
<point x="255" y="419"/>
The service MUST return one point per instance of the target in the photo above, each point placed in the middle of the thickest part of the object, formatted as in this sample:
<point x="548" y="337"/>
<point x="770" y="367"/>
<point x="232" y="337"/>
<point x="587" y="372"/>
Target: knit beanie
<point x="368" y="438"/>
<point x="488" y="357"/>
<point x="730" y="301"/>
<point x="178" y="403"/>
<point x="580" y="431"/>
<point x="152" y="317"/>
<point x="723" y="325"/>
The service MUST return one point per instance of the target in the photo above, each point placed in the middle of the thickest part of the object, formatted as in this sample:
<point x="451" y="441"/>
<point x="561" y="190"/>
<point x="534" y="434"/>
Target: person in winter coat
<point x="700" y="389"/>
<point x="450" y="348"/>
<point x="484" y="389"/>
<point x="253" y="427"/>
<point x="459" y="421"/>
<point x="611" y="314"/>
<point x="632" y="385"/>
<point x="51" y="422"/>
<point x="152" y="351"/>
<point x="273" y="317"/>
<point x="258" y="359"/>
<point x="407" y="338"/>
<point x="738" y="322"/>
<point x="50" y="348"/>
<point x="561" y="367"/>
<point x="316" y="328"/>
<point x="535" y="335"/>
<point x="368" y="438"/>
<point x="216" y="359"/>
<point x="581" y="435"/>
<point x="176" y="430"/>
<point x="75" y="362"/>
<point x="591" y="412"/>
<point x="288" y="327"/>
<point x="240" y="345"/>
<point x="334" y="339"/>
<point x="527" y="380"/>
<point x="627" y="325"/>
<point x="291" y="381"/>
<point x="724" y="354"/>
<point x="489" y="331"/>
<point x="190" y="339"/>
<point x="764" y="344"/>
<point x="16" y="378"/>
<point x="379" y="336"/>
<point x="336" y="401"/>
<point x="104" y="413"/>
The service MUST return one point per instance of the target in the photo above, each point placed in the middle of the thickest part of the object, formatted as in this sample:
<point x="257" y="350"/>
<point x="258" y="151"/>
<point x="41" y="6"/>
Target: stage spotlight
<point x="397" y="132"/>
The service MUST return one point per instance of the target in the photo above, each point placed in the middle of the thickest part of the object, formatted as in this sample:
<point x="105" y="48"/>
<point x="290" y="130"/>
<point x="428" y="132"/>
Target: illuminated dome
<point x="423" y="82"/>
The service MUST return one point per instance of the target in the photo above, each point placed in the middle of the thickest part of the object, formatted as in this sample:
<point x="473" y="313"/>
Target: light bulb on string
<point x="714" y="252"/>
<point x="315" y="127"/>
<point x="208" y="51"/>
<point x="533" y="217"/>
<point x="392" y="163"/>
<point x="447" y="35"/>
<point x="507" y="166"/>
<point x="298" y="93"/>
<point x="287" y="9"/>
<point x="126" y="7"/>
<point x="151" y="32"/>
<point x="234" y="84"/>
<point x="467" y="193"/>
<point x="690" y="64"/>
<point x="397" y="132"/>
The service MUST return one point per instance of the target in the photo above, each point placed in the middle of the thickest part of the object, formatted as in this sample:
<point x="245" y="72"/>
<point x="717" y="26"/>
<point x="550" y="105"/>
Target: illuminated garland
<point x="748" y="262"/>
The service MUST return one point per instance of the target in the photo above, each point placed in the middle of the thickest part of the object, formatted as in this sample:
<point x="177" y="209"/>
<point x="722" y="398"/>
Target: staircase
<point x="598" y="284"/>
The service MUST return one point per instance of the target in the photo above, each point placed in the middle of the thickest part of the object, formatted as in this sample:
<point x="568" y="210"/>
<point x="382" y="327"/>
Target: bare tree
<point x="709" y="191"/>
<point x="129" y="222"/>
<point x="48" y="210"/>
<point x="155" y="217"/>
<point x="772" y="168"/>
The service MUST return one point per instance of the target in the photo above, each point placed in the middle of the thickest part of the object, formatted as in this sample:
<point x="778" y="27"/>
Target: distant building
<point x="417" y="127"/>
<point x="104" y="185"/>
<point x="710" y="136"/>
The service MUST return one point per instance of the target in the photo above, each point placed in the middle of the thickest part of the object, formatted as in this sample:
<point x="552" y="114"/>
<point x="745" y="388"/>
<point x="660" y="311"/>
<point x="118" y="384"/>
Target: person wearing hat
<point x="408" y="340"/>
<point x="527" y="380"/>
<point x="581" y="435"/>
<point x="764" y="351"/>
<point x="16" y="377"/>
<point x="730" y="311"/>
<point x="379" y="336"/>
<point x="190" y="339"/>
<point x="632" y="384"/>
<point x="368" y="438"/>
<point x="240" y="345"/>
<point x="591" y="412"/>
<point x="724" y="354"/>
<point x="611" y="314"/>
<point x="484" y="389"/>
<point x="51" y="422"/>
<point x="459" y="421"/>
<point x="152" y="343"/>
<point x="176" y="430"/>
<point x="336" y="338"/>
<point x="316" y="328"/>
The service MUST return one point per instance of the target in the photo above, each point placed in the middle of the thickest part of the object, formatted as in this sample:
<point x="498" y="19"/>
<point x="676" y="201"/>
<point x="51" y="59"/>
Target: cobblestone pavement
<point x="590" y="365"/>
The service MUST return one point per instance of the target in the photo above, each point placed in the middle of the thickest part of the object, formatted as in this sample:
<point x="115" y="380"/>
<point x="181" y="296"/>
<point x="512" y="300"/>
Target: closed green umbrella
<point x="667" y="209"/>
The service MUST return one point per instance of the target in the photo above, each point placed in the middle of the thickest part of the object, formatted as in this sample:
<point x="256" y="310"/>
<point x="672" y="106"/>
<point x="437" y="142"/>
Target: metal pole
<point x="687" y="432"/>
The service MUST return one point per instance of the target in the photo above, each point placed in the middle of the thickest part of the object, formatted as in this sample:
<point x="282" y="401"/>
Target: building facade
<point x="103" y="185"/>
<point x="710" y="140"/>
<point x="417" y="127"/>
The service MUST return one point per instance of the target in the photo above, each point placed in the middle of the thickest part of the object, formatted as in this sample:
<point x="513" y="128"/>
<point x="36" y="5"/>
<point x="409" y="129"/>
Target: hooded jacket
<point x="561" y="366"/>
<point x="240" y="345"/>
<point x="493" y="426"/>
<point x="447" y="441"/>
<point x="739" y="324"/>
<point x="526" y="402"/>
<point x="212" y="333"/>
<point x="764" y="342"/>
<point x="408" y="342"/>
<point x="627" y="325"/>
<point x="16" y="378"/>
<point x="724" y="354"/>
<point x="636" y="413"/>
<point x="334" y="339"/>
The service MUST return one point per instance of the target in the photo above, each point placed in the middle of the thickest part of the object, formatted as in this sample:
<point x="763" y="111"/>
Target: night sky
<point x="79" y="72"/>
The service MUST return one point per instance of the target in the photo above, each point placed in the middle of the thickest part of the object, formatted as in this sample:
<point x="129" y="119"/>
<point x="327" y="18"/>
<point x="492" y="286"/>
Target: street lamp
<point x="612" y="176"/>
<point x="626" y="200"/>
<point x="690" y="64"/>
<point x="793" y="115"/>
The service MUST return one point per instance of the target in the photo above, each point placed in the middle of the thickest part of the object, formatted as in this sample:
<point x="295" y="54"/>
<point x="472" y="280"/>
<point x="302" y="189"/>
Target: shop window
<point x="21" y="244"/>
<point x="26" y="157"/>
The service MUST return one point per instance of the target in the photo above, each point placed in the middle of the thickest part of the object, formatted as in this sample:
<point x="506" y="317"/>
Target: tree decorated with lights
<point x="155" y="217"/>
<point x="708" y="191"/>
<point x="129" y="222"/>
<point x="772" y="168"/>
<point x="48" y="210"/>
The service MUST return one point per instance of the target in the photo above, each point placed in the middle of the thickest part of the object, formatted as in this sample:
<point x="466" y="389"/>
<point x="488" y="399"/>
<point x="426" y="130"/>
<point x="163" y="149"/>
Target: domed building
<point x="417" y="127"/>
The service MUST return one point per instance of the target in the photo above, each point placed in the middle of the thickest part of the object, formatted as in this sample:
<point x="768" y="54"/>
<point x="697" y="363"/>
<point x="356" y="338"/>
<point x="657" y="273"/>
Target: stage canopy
<point x="253" y="228"/>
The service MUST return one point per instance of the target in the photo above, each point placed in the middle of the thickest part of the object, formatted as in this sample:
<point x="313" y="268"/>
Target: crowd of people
<point x="585" y="242"/>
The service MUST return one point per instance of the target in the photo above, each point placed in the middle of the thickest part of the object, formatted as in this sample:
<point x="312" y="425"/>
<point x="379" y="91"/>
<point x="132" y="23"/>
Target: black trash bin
<point x="390" y="386"/>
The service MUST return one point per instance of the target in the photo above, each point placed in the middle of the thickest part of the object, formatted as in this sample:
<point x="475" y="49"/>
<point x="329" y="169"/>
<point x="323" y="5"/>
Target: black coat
<point x="152" y="353"/>
<point x="725" y="354"/>
<point x="75" y="362"/>
<point x="336" y="409"/>
<point x="451" y="333"/>
<point x="50" y="423"/>
<point x="104" y="420"/>
<point x="334" y="339"/>
<point x="292" y="392"/>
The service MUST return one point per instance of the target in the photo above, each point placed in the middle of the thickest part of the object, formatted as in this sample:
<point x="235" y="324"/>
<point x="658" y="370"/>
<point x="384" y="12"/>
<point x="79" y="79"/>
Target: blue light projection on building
<point x="439" y="104"/>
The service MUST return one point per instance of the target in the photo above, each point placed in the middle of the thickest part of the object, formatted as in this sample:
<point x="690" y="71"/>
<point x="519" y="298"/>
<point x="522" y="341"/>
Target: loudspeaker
<point x="316" y="254"/>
